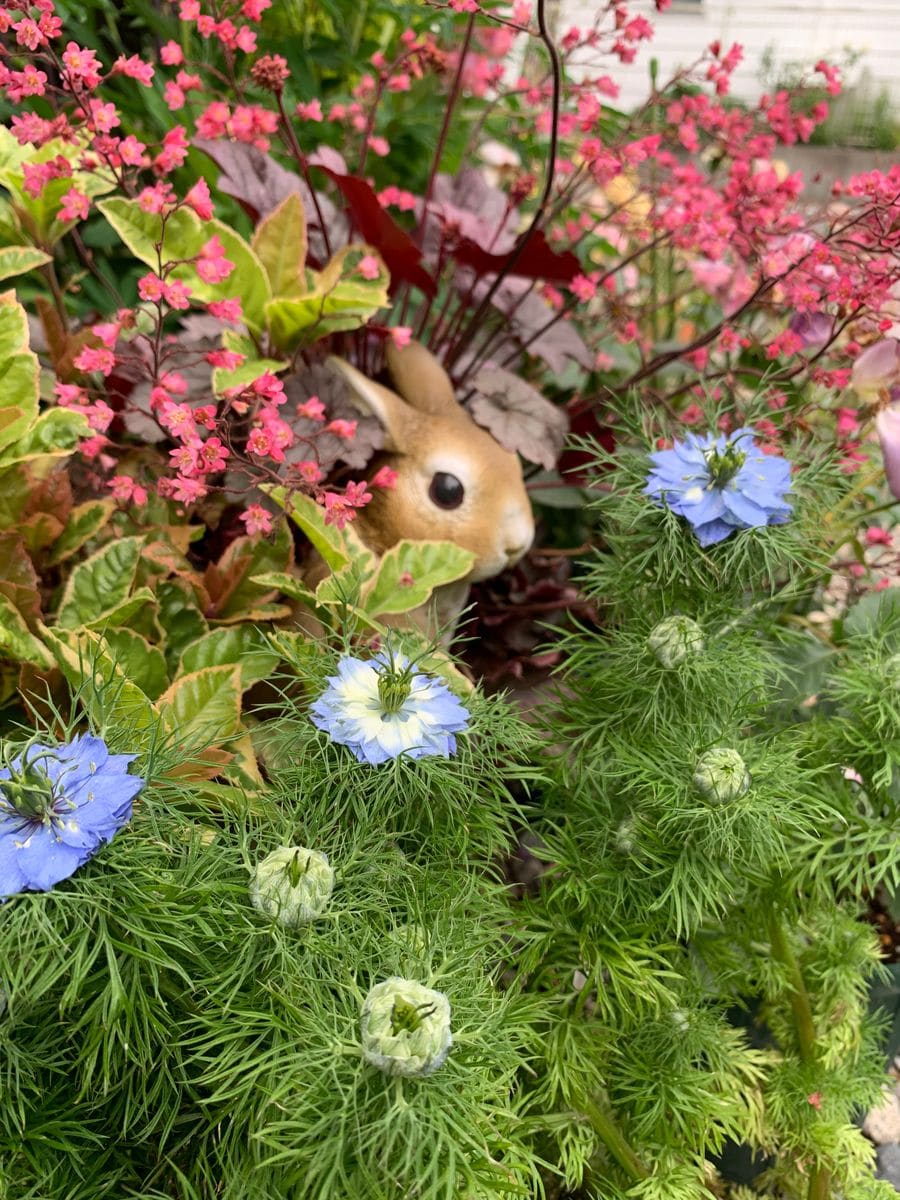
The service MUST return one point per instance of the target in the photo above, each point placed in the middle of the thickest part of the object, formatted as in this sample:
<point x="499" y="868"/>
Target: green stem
<point x="605" y="1127"/>
<point x="783" y="951"/>
<point x="803" y="1017"/>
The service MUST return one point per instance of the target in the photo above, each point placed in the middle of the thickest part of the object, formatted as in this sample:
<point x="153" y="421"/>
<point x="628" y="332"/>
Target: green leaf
<point x="179" y="616"/>
<point x="19" y="373"/>
<point x="340" y="299"/>
<point x="280" y="244"/>
<point x="142" y="600"/>
<point x="112" y="700"/>
<point x="410" y="571"/>
<point x="85" y="521"/>
<point x="310" y="517"/>
<point x="19" y="260"/>
<point x="17" y="641"/>
<point x="288" y="585"/>
<point x="204" y="707"/>
<point x="239" y="645"/>
<point x="100" y="583"/>
<point x="55" y="434"/>
<point x="245" y="373"/>
<point x="141" y="662"/>
<point x="185" y="235"/>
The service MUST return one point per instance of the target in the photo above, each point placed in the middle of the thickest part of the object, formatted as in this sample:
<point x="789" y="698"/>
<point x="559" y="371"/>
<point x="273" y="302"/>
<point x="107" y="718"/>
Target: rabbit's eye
<point x="446" y="491"/>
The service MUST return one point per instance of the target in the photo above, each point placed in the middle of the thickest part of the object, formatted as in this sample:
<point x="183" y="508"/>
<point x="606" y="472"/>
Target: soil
<point x="887" y="928"/>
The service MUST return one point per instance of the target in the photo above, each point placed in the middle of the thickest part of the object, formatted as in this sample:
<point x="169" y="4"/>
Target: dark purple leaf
<point x="537" y="261"/>
<point x="518" y="416"/>
<point x="326" y="449"/>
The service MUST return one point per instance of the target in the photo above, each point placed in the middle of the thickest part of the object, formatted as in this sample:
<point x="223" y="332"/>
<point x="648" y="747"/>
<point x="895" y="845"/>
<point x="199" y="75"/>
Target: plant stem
<point x="605" y="1127"/>
<point x="820" y="1177"/>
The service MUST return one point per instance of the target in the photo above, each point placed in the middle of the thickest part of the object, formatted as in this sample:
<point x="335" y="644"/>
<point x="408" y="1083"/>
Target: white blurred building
<point x="787" y="32"/>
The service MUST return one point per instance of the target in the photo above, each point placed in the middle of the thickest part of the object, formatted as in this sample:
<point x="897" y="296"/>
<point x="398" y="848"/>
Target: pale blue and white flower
<point x="381" y="708"/>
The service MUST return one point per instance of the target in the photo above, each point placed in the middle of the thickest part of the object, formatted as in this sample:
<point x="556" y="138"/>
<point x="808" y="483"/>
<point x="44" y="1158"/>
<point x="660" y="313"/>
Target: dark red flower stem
<point x="476" y="320"/>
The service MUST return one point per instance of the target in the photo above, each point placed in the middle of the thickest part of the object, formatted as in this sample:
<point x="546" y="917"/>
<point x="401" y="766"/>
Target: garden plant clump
<point x="295" y="900"/>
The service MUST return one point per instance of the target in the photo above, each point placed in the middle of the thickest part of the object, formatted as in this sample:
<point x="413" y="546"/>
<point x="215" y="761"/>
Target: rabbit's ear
<point x="420" y="379"/>
<point x="373" y="400"/>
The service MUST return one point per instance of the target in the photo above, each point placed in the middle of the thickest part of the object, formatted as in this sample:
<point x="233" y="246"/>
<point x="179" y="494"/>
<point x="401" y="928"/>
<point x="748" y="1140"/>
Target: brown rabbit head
<point x="454" y="481"/>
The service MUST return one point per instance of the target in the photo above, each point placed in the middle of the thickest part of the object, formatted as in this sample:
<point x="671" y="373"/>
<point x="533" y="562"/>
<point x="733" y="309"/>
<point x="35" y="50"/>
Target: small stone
<point x="882" y="1124"/>
<point x="889" y="1164"/>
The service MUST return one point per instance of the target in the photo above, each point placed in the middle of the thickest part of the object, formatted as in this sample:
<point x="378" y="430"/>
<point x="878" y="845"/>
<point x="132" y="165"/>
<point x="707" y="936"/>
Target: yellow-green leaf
<point x="85" y="521"/>
<point x="310" y="517"/>
<point x="410" y="571"/>
<point x="280" y="244"/>
<point x="18" y="260"/>
<point x="204" y="707"/>
<point x="100" y="583"/>
<point x="16" y="640"/>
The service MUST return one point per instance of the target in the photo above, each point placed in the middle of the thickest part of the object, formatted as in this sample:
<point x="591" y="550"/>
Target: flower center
<point x="29" y="791"/>
<point x="394" y="688"/>
<point x="406" y="1016"/>
<point x="724" y="466"/>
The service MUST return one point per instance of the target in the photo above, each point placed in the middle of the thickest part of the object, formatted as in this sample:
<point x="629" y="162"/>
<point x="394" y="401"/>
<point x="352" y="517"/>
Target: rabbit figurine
<point x="454" y="481"/>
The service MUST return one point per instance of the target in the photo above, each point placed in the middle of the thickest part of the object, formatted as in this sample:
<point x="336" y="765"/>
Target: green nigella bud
<point x="405" y="1028"/>
<point x="721" y="775"/>
<point x="675" y="639"/>
<point x="624" y="838"/>
<point x="293" y="885"/>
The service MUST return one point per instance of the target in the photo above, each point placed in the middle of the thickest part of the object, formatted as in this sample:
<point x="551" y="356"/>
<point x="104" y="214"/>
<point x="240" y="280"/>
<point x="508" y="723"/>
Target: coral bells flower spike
<point x="58" y="805"/>
<point x="381" y="709"/>
<point x="405" y="1028"/>
<point x="720" y="484"/>
<point x="293" y="885"/>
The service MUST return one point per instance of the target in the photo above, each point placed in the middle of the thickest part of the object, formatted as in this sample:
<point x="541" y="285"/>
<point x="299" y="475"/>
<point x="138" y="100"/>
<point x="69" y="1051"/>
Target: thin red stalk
<point x="517" y="252"/>
<point x="302" y="163"/>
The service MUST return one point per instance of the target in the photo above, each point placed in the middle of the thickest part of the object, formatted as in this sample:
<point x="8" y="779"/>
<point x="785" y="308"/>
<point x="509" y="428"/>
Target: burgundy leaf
<point x="402" y="256"/>
<point x="537" y="261"/>
<point x="577" y="466"/>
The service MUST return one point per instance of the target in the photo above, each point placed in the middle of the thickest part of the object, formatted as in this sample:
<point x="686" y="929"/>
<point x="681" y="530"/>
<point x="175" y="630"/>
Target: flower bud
<point x="721" y="775"/>
<point x="675" y="639"/>
<point x="405" y="1028"/>
<point x="293" y="885"/>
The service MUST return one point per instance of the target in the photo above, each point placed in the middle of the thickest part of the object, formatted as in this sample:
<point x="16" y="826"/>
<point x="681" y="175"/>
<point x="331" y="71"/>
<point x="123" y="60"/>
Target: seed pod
<point x="675" y="639"/>
<point x="721" y="775"/>
<point x="405" y="1028"/>
<point x="293" y="885"/>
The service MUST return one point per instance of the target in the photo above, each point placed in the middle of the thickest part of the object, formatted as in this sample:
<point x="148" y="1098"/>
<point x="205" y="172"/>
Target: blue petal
<point x="12" y="879"/>
<point x="714" y="531"/>
<point x="43" y="861"/>
<point x="742" y="507"/>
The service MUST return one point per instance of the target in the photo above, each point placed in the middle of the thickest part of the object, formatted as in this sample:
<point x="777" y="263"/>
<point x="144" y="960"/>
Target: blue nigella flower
<point x="58" y="805"/>
<point x="380" y="708"/>
<point x="721" y="484"/>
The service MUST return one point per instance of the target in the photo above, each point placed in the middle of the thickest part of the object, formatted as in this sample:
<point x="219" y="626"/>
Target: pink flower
<point x="356" y="494"/>
<point x="385" y="477"/>
<point x="228" y="360"/>
<point x="256" y="520"/>
<point x="337" y="511"/>
<point x="92" y="358"/>
<point x="107" y="332"/>
<point x="126" y="490"/>
<point x="464" y="6"/>
<point x="171" y="54"/>
<point x="135" y="68"/>
<point x="226" y="310"/>
<point x="369" y="267"/>
<point x="212" y="456"/>
<point x="313" y="409"/>
<point x="582" y="287"/>
<point x="342" y="429"/>
<point x="75" y="206"/>
<point x="309" y="112"/>
<point x="379" y="145"/>
<point x="309" y="470"/>
<point x="70" y="394"/>
<point x="876" y="536"/>
<point x="258" y="442"/>
<point x="212" y="265"/>
<point x="401" y="335"/>
<point x="198" y="198"/>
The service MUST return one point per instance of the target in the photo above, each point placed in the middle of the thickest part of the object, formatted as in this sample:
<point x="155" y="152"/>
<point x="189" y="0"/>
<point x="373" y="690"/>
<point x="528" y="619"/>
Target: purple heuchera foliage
<point x="58" y="806"/>
<point x="720" y="484"/>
